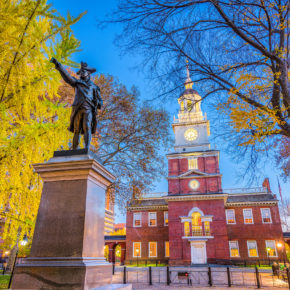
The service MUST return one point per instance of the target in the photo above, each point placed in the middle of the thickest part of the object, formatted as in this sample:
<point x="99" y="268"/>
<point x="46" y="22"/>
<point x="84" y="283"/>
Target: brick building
<point x="196" y="221"/>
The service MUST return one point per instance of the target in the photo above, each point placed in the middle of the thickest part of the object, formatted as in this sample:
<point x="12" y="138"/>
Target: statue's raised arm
<point x="86" y="102"/>
<point x="65" y="75"/>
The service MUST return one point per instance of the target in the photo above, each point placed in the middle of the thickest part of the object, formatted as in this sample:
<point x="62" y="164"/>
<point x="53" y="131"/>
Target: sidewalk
<point x="163" y="287"/>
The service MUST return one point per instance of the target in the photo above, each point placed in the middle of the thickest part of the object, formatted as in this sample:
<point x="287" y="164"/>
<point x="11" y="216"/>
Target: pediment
<point x="193" y="172"/>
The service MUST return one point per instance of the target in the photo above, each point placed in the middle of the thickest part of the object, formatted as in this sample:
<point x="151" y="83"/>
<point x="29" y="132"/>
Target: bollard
<point x="124" y="276"/>
<point x="168" y="275"/>
<point x="288" y="276"/>
<point x="258" y="278"/>
<point x="229" y="277"/>
<point x="113" y="269"/>
<point x="150" y="275"/>
<point x="209" y="277"/>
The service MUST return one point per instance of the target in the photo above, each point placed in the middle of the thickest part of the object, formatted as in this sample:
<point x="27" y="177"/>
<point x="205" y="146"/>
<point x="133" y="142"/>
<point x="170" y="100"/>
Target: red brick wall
<point x="205" y="164"/>
<point x="257" y="231"/>
<point x="146" y="234"/>
<point x="217" y="248"/>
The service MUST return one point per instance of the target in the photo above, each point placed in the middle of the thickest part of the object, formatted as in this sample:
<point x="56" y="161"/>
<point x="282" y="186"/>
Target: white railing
<point x="245" y="190"/>
<point x="154" y="194"/>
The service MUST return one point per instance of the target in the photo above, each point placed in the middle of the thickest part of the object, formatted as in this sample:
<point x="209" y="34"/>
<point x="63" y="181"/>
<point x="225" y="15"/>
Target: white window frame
<point x="249" y="249"/>
<point x="149" y="218"/>
<point x="234" y="216"/>
<point x="134" y="249"/>
<point x="134" y="219"/>
<point x="244" y="209"/>
<point x="166" y="225"/>
<point x="263" y="208"/>
<point x="273" y="241"/>
<point x="165" y="249"/>
<point x="149" y="250"/>
<point x="237" y="242"/>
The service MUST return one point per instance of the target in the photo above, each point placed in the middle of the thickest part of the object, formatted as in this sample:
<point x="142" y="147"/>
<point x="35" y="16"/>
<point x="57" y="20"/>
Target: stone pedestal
<point x="68" y="245"/>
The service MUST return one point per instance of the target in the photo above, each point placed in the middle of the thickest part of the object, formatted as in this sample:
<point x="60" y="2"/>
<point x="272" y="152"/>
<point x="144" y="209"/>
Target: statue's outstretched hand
<point x="55" y="62"/>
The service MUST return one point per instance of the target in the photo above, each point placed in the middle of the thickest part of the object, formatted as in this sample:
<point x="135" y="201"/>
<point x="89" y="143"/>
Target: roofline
<point x="243" y="203"/>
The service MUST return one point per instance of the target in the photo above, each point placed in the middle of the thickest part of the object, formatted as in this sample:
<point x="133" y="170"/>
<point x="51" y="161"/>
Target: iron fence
<point x="202" y="276"/>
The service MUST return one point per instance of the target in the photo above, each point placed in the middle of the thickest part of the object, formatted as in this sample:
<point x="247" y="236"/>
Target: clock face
<point x="194" y="184"/>
<point x="190" y="134"/>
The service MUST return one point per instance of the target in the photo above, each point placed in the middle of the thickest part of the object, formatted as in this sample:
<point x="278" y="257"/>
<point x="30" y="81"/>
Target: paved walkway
<point x="163" y="287"/>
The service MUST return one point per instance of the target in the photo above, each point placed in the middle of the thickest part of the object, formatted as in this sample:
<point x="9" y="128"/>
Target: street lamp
<point x="280" y="246"/>
<point x="23" y="242"/>
<point x="268" y="252"/>
<point x="137" y="252"/>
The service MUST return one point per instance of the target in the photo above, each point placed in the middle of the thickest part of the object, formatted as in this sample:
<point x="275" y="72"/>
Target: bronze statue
<point x="87" y="100"/>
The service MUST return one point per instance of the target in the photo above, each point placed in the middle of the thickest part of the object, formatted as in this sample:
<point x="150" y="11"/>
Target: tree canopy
<point x="35" y="113"/>
<point x="238" y="53"/>
<point x="33" y="123"/>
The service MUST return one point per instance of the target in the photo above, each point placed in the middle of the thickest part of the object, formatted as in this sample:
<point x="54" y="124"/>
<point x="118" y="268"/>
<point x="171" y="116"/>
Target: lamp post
<point x="268" y="252"/>
<point x="137" y="252"/>
<point x="280" y="247"/>
<point x="23" y="242"/>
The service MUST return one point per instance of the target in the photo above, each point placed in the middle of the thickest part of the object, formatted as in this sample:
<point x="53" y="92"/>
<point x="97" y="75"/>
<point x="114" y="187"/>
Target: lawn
<point x="4" y="280"/>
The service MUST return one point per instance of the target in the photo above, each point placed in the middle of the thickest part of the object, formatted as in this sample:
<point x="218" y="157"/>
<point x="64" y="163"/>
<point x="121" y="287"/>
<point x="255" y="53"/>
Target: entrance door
<point x="198" y="253"/>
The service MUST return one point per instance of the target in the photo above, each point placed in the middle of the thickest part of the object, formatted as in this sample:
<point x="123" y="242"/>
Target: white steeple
<point x="191" y="128"/>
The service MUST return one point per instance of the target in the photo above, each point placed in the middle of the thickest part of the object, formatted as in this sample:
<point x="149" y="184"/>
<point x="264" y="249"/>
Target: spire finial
<point x="188" y="82"/>
<point x="187" y="69"/>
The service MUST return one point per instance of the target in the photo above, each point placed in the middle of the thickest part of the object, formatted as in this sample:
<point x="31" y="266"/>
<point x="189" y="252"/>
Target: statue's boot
<point x="88" y="138"/>
<point x="76" y="141"/>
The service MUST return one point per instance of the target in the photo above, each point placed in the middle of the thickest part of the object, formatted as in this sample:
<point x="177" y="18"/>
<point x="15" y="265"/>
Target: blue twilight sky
<point x="99" y="51"/>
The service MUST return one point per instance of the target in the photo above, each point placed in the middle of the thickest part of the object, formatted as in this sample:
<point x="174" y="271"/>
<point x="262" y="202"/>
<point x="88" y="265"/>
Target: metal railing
<point x="202" y="276"/>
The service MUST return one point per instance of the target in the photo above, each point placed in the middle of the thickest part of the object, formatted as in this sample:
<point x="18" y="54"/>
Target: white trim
<point x="134" y="214"/>
<point x="134" y="249"/>
<point x="256" y="249"/>
<point x="185" y="219"/>
<point x="195" y="209"/>
<point x="155" y="219"/>
<point x="262" y="215"/>
<point x="165" y="249"/>
<point x="149" y="250"/>
<point x="166" y="225"/>
<point x="244" y="209"/>
<point x="206" y="218"/>
<point x="237" y="243"/>
<point x="234" y="216"/>
<point x="198" y="238"/>
<point x="269" y="247"/>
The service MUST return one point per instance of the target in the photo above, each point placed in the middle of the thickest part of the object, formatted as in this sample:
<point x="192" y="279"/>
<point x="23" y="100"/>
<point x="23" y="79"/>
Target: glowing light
<point x="279" y="245"/>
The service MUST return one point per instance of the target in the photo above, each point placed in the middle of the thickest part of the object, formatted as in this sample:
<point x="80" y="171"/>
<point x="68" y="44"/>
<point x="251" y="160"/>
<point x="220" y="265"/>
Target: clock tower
<point x="191" y="127"/>
<point x="193" y="166"/>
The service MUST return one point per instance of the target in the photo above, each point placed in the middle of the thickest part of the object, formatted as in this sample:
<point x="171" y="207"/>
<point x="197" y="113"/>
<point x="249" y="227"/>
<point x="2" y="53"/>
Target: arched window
<point x="196" y="224"/>
<point x="182" y="106"/>
<point x="189" y="105"/>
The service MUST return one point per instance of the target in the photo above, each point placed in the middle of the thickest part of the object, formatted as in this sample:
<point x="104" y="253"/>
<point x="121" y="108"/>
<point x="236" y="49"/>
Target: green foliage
<point x="33" y="122"/>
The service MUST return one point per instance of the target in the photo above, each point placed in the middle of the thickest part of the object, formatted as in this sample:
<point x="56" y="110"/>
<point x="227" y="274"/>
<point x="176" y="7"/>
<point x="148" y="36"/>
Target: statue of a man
<point x="87" y="100"/>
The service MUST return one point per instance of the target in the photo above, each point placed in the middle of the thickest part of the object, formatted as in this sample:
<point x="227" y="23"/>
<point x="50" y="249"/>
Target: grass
<point x="148" y="265"/>
<point x="4" y="280"/>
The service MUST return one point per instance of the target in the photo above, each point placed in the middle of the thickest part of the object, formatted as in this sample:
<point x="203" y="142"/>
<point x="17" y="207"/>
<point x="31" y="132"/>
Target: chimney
<point x="266" y="184"/>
